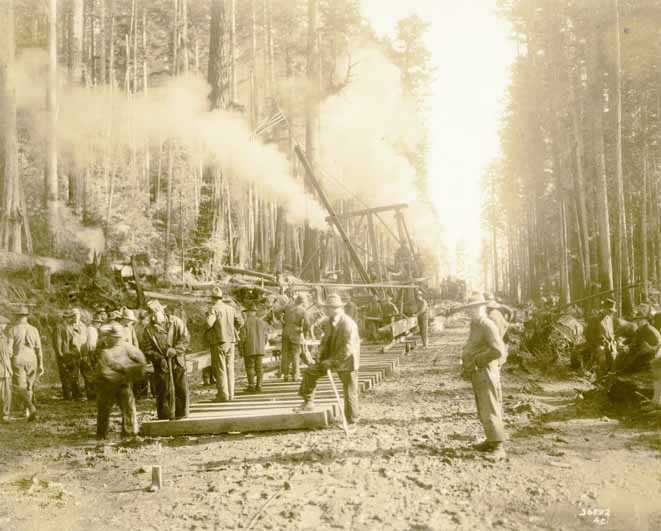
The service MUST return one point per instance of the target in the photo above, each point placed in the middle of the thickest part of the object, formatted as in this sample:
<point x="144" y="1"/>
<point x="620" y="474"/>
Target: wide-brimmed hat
<point x="114" y="315"/>
<point x="115" y="330"/>
<point x="155" y="306"/>
<point x="251" y="307"/>
<point x="217" y="293"/>
<point x="71" y="312"/>
<point x="100" y="317"/>
<point x="334" y="301"/>
<point x="129" y="315"/>
<point x="300" y="299"/>
<point x="22" y="310"/>
<point x="475" y="299"/>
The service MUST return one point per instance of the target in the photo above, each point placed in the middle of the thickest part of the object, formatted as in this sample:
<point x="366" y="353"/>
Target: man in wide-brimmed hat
<point x="482" y="357"/>
<point x="27" y="361"/>
<point x="164" y="342"/>
<point x="498" y="313"/>
<point x="296" y="326"/>
<point x="339" y="351"/>
<point x="253" y="347"/>
<point x="222" y="334"/>
<point x="72" y="341"/>
<point x="5" y="370"/>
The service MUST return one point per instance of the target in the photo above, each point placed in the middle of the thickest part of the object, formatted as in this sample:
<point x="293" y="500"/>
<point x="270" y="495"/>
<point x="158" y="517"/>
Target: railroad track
<point x="272" y="409"/>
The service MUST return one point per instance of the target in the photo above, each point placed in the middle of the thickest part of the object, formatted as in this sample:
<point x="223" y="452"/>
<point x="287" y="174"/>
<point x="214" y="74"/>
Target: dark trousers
<point x="87" y="370"/>
<point x="423" y="327"/>
<point x="290" y="362"/>
<point x="5" y="397"/>
<point x="69" y="369"/>
<point x="107" y="395"/>
<point x="254" y="370"/>
<point x="164" y="392"/>
<point x="349" y="386"/>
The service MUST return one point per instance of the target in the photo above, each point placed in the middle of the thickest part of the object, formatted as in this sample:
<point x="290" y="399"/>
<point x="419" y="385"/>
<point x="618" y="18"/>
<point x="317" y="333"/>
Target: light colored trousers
<point x="222" y="367"/>
<point x="489" y="400"/>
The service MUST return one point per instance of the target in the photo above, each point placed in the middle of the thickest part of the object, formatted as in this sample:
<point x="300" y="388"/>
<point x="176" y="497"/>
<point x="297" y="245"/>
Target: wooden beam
<point x="366" y="211"/>
<point x="265" y="422"/>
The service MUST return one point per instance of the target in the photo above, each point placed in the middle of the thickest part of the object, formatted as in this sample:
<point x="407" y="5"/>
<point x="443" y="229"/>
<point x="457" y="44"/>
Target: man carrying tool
<point x="223" y="324"/>
<point x="339" y="351"/>
<point x="5" y="371"/>
<point x="255" y="336"/>
<point x="27" y="360"/>
<point x="482" y="357"/>
<point x="295" y="327"/>
<point x="119" y="364"/>
<point x="164" y="342"/>
<point x="422" y="313"/>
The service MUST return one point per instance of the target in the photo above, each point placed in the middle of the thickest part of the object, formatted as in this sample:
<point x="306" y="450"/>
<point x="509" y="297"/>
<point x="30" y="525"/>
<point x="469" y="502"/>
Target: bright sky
<point x="472" y="55"/>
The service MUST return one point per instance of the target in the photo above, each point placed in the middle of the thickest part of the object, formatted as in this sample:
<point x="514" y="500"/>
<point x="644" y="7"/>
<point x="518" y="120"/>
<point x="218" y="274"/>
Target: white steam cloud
<point x="90" y="118"/>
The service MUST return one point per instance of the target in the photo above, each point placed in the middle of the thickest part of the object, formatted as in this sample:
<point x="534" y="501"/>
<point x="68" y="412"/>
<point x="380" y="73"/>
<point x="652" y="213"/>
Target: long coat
<point x="340" y="343"/>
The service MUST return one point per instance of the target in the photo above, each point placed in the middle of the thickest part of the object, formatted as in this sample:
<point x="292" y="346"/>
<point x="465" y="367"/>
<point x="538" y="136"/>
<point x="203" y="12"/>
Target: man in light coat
<point x="482" y="357"/>
<point x="5" y="370"/>
<point x="27" y="361"/>
<point x="222" y="334"/>
<point x="339" y="351"/>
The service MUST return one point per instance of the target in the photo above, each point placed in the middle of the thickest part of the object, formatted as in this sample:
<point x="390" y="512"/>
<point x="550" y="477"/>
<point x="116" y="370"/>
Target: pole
<point x="333" y="217"/>
<point x="172" y="398"/>
<point x="340" y="406"/>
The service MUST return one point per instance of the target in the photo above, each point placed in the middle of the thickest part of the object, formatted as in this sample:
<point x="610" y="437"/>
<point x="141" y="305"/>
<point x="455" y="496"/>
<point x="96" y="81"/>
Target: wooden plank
<point x="210" y="425"/>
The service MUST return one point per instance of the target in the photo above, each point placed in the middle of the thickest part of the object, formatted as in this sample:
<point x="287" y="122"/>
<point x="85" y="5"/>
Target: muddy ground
<point x="408" y="466"/>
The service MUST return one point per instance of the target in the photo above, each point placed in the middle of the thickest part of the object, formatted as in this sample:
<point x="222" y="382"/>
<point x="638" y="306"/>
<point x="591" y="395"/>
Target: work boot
<point x="250" y="389"/>
<point x="308" y="405"/>
<point x="285" y="378"/>
<point x="496" y="453"/>
<point x="484" y="446"/>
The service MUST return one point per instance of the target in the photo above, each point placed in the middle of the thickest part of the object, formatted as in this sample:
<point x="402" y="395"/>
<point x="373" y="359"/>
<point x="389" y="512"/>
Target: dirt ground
<point x="408" y="466"/>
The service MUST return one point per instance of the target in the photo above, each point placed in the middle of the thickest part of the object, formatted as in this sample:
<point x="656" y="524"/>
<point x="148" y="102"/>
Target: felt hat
<point x="300" y="299"/>
<point x="22" y="310"/>
<point x="155" y="306"/>
<point x="334" y="301"/>
<point x="99" y="317"/>
<point x="475" y="299"/>
<point x="129" y="315"/>
<point x="114" y="315"/>
<point x="217" y="293"/>
<point x="115" y="330"/>
<point x="251" y="307"/>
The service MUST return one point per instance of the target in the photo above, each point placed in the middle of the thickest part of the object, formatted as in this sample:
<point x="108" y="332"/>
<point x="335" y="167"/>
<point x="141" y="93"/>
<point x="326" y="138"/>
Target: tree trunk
<point x="597" y="110"/>
<point x="233" y="77"/>
<point x="51" y="141"/>
<point x="643" y="231"/>
<point x="10" y="183"/>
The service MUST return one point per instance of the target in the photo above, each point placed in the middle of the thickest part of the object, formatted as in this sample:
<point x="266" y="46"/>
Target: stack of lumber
<point x="272" y="409"/>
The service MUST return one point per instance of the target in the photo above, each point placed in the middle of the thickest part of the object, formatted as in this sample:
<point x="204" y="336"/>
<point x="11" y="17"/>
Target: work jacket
<point x="120" y="363"/>
<point x="72" y="340"/>
<point x="25" y="340"/>
<point x="295" y="324"/>
<point x="158" y="338"/>
<point x="223" y="323"/>
<point x="484" y="345"/>
<point x="499" y="320"/>
<point x="340" y="343"/>
<point x="255" y="337"/>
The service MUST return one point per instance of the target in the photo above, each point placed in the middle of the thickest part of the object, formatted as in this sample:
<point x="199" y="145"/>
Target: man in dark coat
<point x="164" y="342"/>
<point x="223" y="325"/>
<point x="119" y="364"/>
<point x="295" y="327"/>
<point x="71" y="343"/>
<point x="339" y="351"/>
<point x="255" y="337"/>
<point x="373" y="318"/>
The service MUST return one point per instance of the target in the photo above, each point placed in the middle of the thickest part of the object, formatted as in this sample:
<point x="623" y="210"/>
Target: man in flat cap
<point x="482" y="357"/>
<point x="27" y="360"/>
<point x="223" y="325"/>
<point x="295" y="327"/>
<point x="164" y="342"/>
<point x="339" y="351"/>
<point x="5" y="370"/>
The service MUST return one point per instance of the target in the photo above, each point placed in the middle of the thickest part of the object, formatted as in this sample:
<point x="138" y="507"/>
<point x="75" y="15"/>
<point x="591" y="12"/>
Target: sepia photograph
<point x="316" y="265"/>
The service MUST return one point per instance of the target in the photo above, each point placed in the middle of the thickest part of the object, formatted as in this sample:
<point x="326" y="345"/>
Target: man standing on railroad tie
<point x="295" y="326"/>
<point x="339" y="351"/>
<point x="164" y="342"/>
<point x="223" y="324"/>
<point x="482" y="357"/>
<point x="422" y="314"/>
